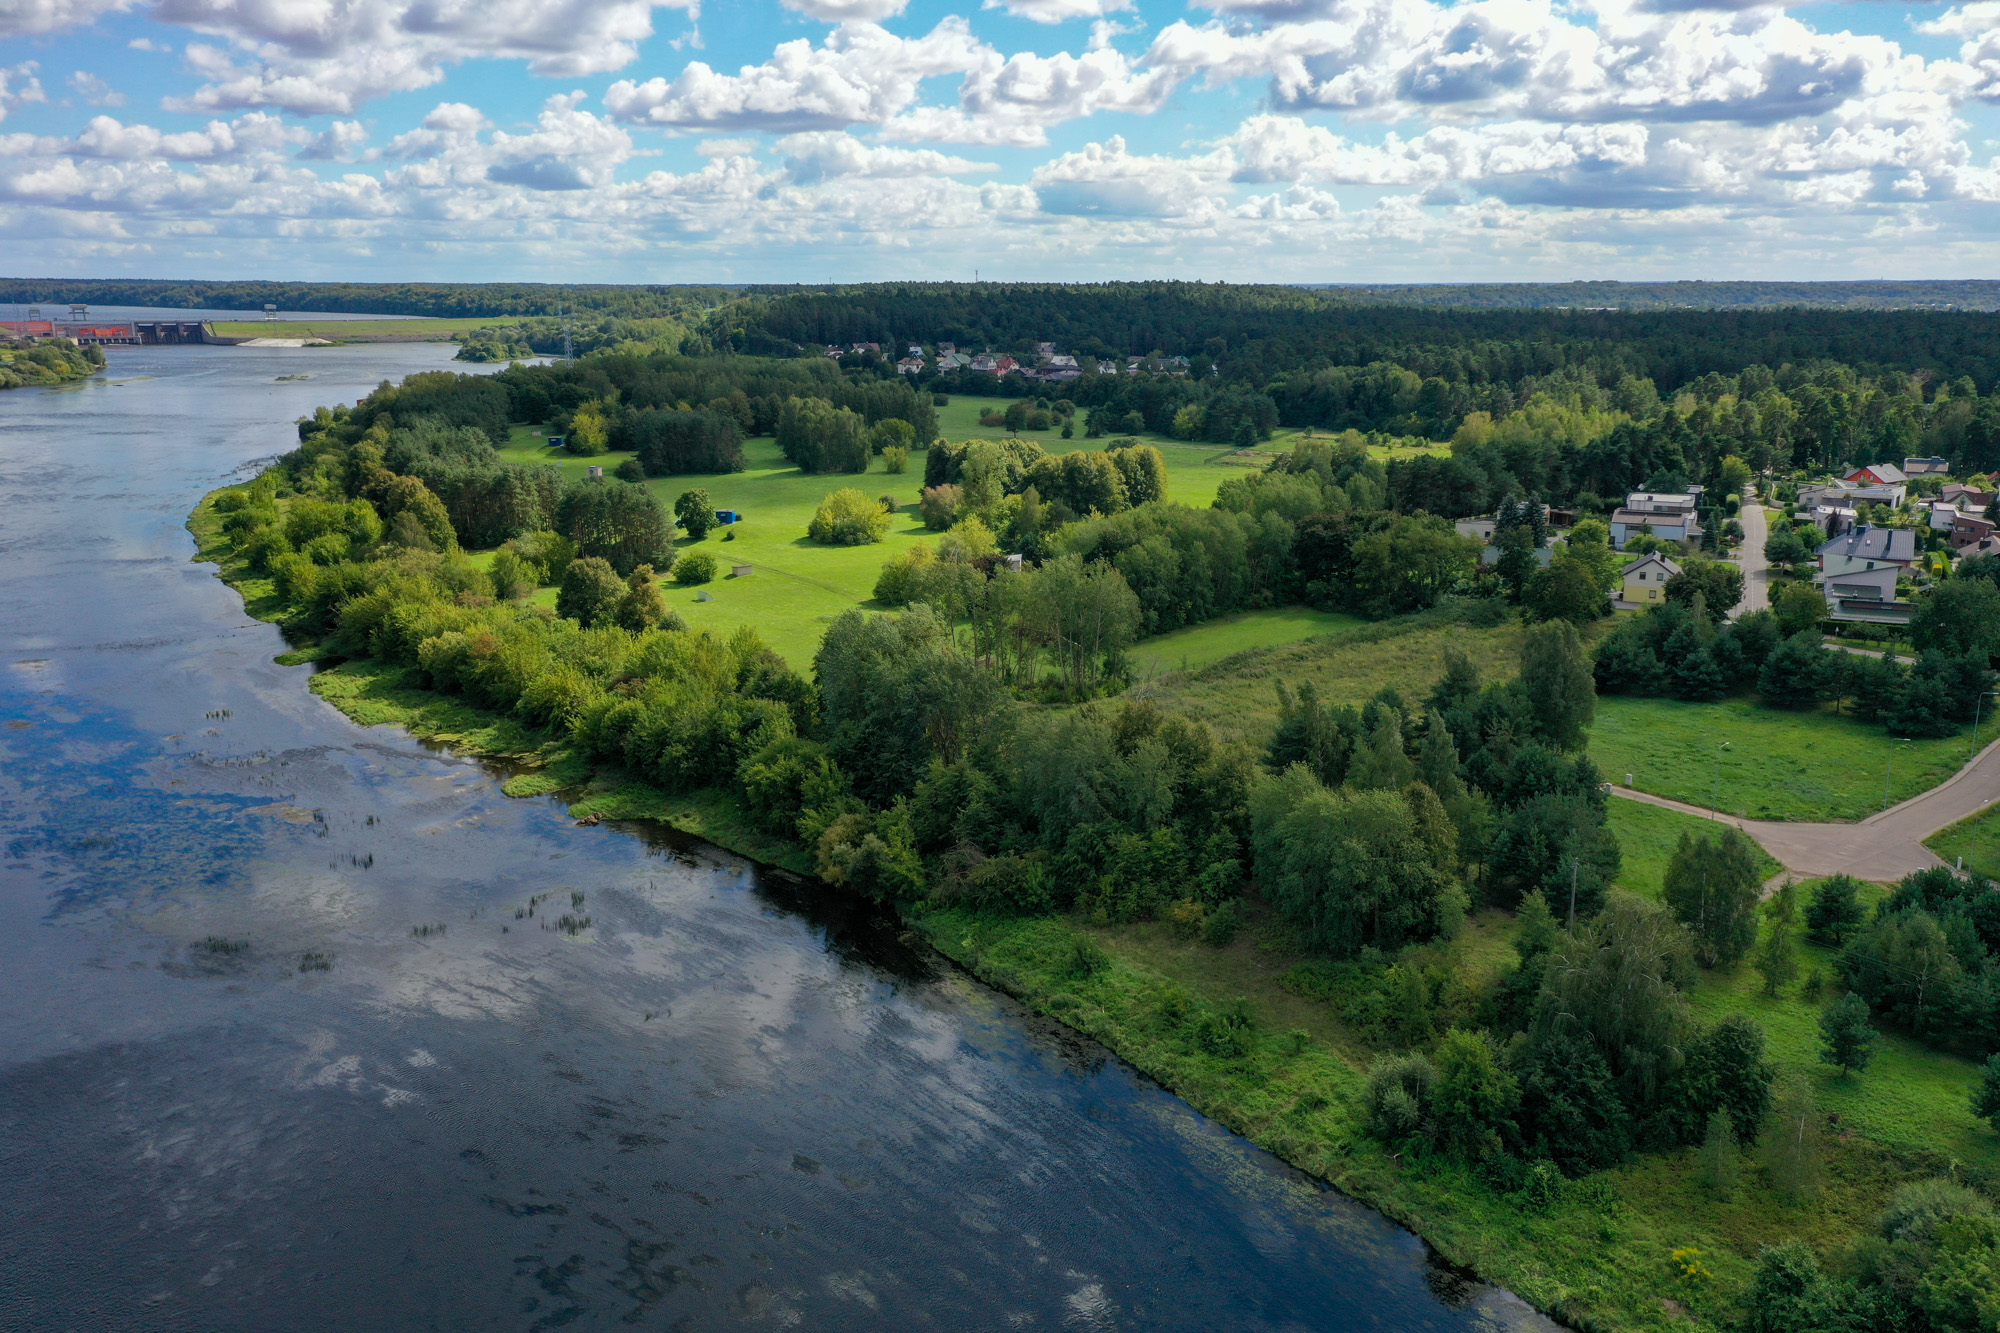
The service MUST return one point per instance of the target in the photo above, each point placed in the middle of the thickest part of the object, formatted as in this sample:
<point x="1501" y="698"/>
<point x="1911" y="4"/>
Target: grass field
<point x="797" y="587"/>
<point x="1201" y="645"/>
<point x="352" y="330"/>
<point x="1348" y="665"/>
<point x="1976" y="839"/>
<point x="1780" y="765"/>
<point x="1646" y="838"/>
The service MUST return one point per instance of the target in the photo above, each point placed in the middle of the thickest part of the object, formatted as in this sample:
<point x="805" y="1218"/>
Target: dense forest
<point x="1942" y="293"/>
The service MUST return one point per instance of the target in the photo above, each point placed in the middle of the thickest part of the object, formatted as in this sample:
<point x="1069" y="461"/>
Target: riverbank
<point x="1255" y="1034"/>
<point x="47" y="363"/>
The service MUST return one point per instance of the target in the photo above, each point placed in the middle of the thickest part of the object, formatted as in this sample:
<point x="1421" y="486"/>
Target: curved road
<point x="1884" y="846"/>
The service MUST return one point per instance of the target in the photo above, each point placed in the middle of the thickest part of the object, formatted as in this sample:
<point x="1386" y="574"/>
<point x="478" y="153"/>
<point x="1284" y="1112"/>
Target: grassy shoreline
<point x="1595" y="1253"/>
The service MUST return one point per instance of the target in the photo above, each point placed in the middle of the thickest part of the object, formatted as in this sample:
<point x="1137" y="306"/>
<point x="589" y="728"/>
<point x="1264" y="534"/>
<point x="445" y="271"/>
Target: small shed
<point x="704" y="596"/>
<point x="728" y="516"/>
<point x="594" y="472"/>
<point x="739" y="571"/>
<point x="555" y="441"/>
<point x="1014" y="563"/>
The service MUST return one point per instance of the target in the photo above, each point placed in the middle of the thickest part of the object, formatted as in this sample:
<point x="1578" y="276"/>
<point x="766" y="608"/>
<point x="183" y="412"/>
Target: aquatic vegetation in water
<point x="217" y="944"/>
<point x="426" y="931"/>
<point x="315" y="962"/>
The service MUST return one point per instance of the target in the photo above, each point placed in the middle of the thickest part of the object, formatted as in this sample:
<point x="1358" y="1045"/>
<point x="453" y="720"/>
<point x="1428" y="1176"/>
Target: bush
<point x="1222" y="925"/>
<point x="694" y="567"/>
<point x="629" y="470"/>
<point x="1398" y="1097"/>
<point x="1187" y="917"/>
<point x="896" y="459"/>
<point x="848" y="518"/>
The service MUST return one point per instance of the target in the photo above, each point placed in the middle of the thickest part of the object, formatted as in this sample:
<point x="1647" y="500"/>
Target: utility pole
<point x="1889" y="768"/>
<point x="1715" y="792"/>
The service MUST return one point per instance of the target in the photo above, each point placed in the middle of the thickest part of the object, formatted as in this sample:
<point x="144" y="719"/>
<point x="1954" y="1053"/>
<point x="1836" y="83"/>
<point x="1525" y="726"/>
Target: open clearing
<point x="1646" y="838"/>
<point x="797" y="587"/>
<point x="1812" y="766"/>
<point x="1201" y="645"/>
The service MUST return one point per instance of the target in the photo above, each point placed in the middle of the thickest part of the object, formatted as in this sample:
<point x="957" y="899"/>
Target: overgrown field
<point x="1348" y="663"/>
<point x="1596" y="1254"/>
<point x="1647" y="835"/>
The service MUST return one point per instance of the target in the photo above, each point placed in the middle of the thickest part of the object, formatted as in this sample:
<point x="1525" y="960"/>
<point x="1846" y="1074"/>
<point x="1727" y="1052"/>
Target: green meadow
<point x="796" y="587"/>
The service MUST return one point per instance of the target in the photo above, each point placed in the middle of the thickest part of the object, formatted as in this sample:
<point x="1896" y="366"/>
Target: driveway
<point x="1884" y="846"/>
<point x="1756" y="570"/>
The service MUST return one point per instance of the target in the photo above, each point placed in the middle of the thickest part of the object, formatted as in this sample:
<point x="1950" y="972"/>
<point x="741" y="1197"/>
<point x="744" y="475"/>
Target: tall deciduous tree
<point x="1845" y="1037"/>
<point x="1556" y="678"/>
<point x="1712" y="886"/>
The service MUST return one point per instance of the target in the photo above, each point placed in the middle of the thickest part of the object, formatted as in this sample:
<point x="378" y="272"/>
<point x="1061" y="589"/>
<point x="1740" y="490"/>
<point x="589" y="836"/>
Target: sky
<point x="736" y="141"/>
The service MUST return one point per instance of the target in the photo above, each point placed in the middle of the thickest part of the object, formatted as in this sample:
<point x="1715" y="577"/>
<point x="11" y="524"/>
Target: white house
<point x="1670" y="517"/>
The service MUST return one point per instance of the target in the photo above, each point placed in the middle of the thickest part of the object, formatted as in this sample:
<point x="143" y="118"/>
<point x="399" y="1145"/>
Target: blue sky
<point x="816" y="140"/>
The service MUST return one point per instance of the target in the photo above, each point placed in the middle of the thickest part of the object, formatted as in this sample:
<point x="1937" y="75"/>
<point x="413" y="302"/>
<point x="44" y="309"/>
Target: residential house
<point x="1851" y="493"/>
<point x="1941" y="515"/>
<point x="1878" y="474"/>
<point x="914" y="349"/>
<point x="1064" y="362"/>
<point x="910" y="365"/>
<point x="866" y="347"/>
<point x="1867" y="548"/>
<point x="1670" y="517"/>
<point x="1966" y="499"/>
<point x="946" y="349"/>
<point x="1043" y="351"/>
<point x="1830" y="519"/>
<point x="1926" y="467"/>
<point x="986" y="364"/>
<point x="1969" y="530"/>
<point x="1644" y="581"/>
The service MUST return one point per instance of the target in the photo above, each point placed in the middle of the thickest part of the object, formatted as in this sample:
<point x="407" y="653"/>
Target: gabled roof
<point x="1655" y="558"/>
<point x="1886" y="473"/>
<point x="1869" y="542"/>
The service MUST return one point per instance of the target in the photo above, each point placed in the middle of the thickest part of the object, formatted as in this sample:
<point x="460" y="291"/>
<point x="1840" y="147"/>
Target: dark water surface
<point x="727" y="1102"/>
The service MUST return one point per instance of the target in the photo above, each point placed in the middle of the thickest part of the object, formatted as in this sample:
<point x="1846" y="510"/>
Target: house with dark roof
<point x="1926" y="467"/>
<point x="1868" y="547"/>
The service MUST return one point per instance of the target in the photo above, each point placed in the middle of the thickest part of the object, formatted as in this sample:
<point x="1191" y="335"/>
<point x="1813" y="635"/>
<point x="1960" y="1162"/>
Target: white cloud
<point x="94" y="90"/>
<point x="145" y="44"/>
<point x="825" y="154"/>
<point x="860" y="75"/>
<point x="1106" y="180"/>
<point x="1015" y="100"/>
<point x="26" y="18"/>
<point x="19" y="86"/>
<point x="1058" y="11"/>
<point x="848" y="11"/>
<point x="330" y="57"/>
<point x="256" y="135"/>
<point x="338" y="142"/>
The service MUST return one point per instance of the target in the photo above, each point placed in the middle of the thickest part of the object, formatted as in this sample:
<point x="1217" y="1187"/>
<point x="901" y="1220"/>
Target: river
<point x="280" y="1048"/>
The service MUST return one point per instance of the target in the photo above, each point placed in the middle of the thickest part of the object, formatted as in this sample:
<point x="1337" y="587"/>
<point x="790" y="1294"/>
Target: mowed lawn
<point x="1976" y="839"/>
<point x="797" y="587"/>
<point x="1812" y="766"/>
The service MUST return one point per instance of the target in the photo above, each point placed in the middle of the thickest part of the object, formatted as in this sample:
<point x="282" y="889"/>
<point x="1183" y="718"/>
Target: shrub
<point x="939" y="506"/>
<point x="1398" y="1097"/>
<point x="1222" y="925"/>
<point x="629" y="470"/>
<point x="896" y="458"/>
<point x="1187" y="917"/>
<point x="694" y="567"/>
<point x="848" y="518"/>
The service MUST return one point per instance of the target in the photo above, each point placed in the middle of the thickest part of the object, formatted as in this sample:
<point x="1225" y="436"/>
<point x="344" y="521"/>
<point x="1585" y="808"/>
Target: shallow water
<point x="281" y="1048"/>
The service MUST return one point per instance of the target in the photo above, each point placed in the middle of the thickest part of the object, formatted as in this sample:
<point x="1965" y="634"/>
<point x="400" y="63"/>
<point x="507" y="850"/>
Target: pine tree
<point x="1721" y="1159"/>
<point x="1846" y="1039"/>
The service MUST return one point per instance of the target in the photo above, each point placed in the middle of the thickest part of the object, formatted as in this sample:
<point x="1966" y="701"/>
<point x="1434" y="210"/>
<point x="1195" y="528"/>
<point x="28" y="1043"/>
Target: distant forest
<point x="444" y="300"/>
<point x="1923" y="294"/>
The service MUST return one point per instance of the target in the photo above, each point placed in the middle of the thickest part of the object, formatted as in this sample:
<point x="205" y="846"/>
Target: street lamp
<point x="1890" y="767"/>
<point x="1973" y="744"/>
<point x="1715" y="793"/>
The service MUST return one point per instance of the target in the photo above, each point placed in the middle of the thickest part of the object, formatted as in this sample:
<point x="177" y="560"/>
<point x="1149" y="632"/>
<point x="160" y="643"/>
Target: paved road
<point x="1884" y="846"/>
<point x="1756" y="570"/>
